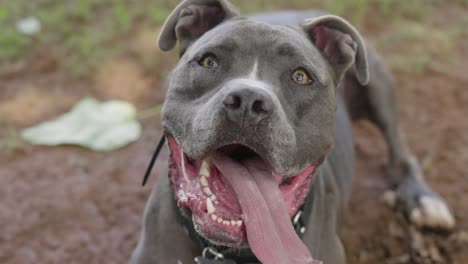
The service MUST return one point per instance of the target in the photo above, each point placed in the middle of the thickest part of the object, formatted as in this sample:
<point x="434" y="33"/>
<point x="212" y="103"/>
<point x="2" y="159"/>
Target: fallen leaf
<point x="101" y="126"/>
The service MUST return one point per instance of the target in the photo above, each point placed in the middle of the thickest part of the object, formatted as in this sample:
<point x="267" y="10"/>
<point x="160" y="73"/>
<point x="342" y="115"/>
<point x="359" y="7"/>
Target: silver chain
<point x="213" y="252"/>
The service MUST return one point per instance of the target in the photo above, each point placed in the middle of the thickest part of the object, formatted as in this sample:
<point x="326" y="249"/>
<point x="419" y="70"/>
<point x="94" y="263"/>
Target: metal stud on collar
<point x="302" y="230"/>
<point x="213" y="252"/>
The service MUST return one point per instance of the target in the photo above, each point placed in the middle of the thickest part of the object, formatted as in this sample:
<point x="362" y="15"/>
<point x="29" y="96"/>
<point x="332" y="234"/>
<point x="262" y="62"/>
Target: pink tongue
<point x="270" y="233"/>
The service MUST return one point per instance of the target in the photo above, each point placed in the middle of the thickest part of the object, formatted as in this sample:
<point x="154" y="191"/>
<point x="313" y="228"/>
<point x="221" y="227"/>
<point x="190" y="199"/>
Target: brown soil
<point x="69" y="205"/>
<point x="433" y="116"/>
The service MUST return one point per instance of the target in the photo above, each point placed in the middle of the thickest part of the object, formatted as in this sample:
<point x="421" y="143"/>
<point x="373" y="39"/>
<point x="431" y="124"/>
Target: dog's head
<point x="250" y="98"/>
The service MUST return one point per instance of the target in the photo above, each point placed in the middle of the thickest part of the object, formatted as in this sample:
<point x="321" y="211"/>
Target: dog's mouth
<point x="236" y="199"/>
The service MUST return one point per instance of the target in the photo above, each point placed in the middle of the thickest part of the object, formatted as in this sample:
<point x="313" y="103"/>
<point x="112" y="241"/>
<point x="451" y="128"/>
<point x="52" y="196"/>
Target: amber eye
<point x="208" y="61"/>
<point x="301" y="77"/>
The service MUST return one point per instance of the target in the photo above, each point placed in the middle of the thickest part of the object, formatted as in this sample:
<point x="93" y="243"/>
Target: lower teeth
<point x="226" y="222"/>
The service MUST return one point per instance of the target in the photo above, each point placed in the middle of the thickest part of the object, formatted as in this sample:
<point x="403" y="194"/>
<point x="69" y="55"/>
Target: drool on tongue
<point x="270" y="233"/>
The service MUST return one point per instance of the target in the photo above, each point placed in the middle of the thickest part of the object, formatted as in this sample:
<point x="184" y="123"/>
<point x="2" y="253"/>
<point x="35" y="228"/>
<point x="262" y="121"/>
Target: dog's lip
<point x="221" y="148"/>
<point x="195" y="195"/>
<point x="211" y="150"/>
<point x="285" y="176"/>
<point x="236" y="145"/>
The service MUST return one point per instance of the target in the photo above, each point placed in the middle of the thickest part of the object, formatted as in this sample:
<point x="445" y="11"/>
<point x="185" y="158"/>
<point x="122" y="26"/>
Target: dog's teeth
<point x="220" y="220"/>
<point x="213" y="197"/>
<point x="214" y="217"/>
<point x="207" y="191"/>
<point x="226" y="222"/>
<point x="203" y="181"/>
<point x="184" y="172"/>
<point x="209" y="206"/>
<point x="239" y="223"/>
<point x="233" y="222"/>
<point x="205" y="169"/>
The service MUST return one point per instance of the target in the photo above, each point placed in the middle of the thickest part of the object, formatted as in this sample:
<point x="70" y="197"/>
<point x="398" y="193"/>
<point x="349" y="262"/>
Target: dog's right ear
<point x="191" y="19"/>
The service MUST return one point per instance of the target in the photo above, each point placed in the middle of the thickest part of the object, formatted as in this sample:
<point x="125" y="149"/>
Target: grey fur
<point x="305" y="123"/>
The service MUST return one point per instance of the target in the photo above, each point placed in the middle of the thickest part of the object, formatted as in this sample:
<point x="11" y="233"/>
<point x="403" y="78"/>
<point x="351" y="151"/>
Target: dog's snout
<point x="248" y="105"/>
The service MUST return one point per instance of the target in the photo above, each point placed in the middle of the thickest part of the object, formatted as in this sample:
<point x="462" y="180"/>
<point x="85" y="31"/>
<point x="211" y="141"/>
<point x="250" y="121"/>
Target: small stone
<point x="28" y="26"/>
<point x="389" y="198"/>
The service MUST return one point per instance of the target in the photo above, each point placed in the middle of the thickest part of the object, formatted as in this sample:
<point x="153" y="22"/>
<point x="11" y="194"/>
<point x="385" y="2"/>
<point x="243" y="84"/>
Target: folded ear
<point x="191" y="19"/>
<point x="340" y="43"/>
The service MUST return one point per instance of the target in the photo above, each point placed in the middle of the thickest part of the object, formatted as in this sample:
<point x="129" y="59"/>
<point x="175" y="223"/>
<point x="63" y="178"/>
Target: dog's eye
<point x="208" y="61"/>
<point x="301" y="77"/>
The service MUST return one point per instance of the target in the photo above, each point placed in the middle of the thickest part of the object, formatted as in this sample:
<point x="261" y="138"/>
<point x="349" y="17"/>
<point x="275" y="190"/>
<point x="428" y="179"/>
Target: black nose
<point x="248" y="106"/>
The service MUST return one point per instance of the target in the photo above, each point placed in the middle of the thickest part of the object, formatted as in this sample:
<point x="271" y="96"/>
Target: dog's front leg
<point x="424" y="207"/>
<point x="162" y="239"/>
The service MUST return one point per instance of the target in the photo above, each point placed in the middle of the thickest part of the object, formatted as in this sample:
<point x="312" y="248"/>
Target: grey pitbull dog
<point x="257" y="117"/>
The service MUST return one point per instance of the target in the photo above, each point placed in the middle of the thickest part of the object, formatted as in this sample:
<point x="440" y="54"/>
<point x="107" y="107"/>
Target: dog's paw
<point x="426" y="210"/>
<point x="423" y="207"/>
<point x="432" y="212"/>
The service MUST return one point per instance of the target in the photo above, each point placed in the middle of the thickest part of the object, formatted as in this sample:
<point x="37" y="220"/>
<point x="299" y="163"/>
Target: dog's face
<point x="253" y="96"/>
<point x="273" y="93"/>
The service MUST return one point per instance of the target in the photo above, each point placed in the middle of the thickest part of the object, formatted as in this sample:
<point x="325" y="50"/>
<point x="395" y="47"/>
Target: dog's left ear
<point x="191" y="19"/>
<point x="340" y="43"/>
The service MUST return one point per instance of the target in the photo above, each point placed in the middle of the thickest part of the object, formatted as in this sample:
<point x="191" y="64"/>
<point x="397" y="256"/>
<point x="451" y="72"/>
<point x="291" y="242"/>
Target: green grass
<point x="12" y="43"/>
<point x="82" y="34"/>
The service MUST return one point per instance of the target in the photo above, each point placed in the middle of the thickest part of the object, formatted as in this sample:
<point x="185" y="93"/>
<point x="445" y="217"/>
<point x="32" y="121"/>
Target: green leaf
<point x="101" y="126"/>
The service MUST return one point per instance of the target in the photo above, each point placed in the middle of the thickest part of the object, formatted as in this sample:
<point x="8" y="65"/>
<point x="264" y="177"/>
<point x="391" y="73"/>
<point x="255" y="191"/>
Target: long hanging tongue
<point x="270" y="233"/>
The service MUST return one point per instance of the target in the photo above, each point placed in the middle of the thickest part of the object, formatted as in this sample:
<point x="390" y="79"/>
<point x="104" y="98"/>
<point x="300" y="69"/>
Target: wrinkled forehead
<point x="251" y="39"/>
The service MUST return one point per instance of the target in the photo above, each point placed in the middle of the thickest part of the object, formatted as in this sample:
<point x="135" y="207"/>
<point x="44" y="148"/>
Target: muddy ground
<point x="70" y="205"/>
